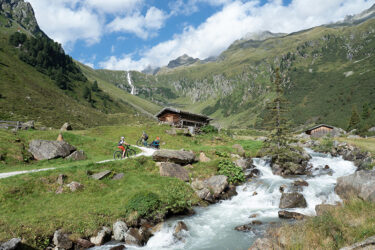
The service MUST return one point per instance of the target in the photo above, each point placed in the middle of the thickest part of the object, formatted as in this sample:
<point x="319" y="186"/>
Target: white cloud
<point x="114" y="6"/>
<point x="234" y="21"/>
<point x="142" y="26"/>
<point x="66" y="22"/>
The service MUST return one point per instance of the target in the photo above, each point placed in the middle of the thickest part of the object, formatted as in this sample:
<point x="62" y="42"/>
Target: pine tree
<point x="87" y="94"/>
<point x="354" y="119"/>
<point x="366" y="111"/>
<point x="95" y="87"/>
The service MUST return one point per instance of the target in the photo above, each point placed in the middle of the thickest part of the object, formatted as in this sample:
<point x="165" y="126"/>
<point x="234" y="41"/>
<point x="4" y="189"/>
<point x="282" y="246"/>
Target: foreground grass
<point x="99" y="144"/>
<point x="30" y="207"/>
<point x="336" y="228"/>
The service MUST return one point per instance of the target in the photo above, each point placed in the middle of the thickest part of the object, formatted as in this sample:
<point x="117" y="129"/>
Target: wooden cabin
<point x="320" y="130"/>
<point x="181" y="118"/>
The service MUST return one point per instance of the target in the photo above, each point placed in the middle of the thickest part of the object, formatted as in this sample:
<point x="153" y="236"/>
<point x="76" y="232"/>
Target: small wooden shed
<point x="320" y="130"/>
<point x="181" y="118"/>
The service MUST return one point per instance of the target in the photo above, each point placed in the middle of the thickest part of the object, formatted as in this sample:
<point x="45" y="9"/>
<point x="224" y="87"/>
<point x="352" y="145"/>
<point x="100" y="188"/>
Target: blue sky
<point x="135" y="34"/>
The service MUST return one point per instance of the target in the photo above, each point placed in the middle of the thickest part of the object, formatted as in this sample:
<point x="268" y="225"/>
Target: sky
<point x="137" y="34"/>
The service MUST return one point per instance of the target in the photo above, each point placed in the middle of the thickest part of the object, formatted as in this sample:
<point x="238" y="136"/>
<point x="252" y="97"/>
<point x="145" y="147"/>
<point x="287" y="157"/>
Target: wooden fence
<point x="10" y="124"/>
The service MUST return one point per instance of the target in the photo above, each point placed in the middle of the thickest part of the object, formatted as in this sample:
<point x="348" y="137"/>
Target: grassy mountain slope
<point x="109" y="80"/>
<point x="32" y="92"/>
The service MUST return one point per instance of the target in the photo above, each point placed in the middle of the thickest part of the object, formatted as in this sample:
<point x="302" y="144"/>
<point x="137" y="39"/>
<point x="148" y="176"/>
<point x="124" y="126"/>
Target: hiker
<point x="121" y="145"/>
<point x="156" y="143"/>
<point x="144" y="138"/>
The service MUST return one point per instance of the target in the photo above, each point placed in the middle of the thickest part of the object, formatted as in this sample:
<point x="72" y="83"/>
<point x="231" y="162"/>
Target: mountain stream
<point x="212" y="227"/>
<point x="131" y="84"/>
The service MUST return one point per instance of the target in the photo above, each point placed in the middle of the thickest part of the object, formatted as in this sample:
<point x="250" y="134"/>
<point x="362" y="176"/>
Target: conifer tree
<point x="365" y="111"/>
<point x="95" y="87"/>
<point x="354" y="119"/>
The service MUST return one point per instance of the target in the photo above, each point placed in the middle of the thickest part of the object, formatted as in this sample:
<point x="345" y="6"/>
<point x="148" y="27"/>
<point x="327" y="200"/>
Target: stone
<point x="119" y="247"/>
<point x="197" y="185"/>
<point x="119" y="230"/>
<point x="217" y="184"/>
<point x="323" y="208"/>
<point x="203" y="157"/>
<point x="244" y="163"/>
<point x="300" y="182"/>
<point x="78" y="155"/>
<point x="292" y="200"/>
<point x="243" y="228"/>
<point x="255" y="193"/>
<point x="74" y="186"/>
<point x="230" y="192"/>
<point x="371" y="129"/>
<point x="12" y="244"/>
<point x="239" y="149"/>
<point x="264" y="244"/>
<point x="361" y="184"/>
<point x="367" y="244"/>
<point x="133" y="237"/>
<point x="46" y="150"/>
<point x="61" y="240"/>
<point x="176" y="156"/>
<point x="65" y="127"/>
<point x="282" y="188"/>
<point x="59" y="190"/>
<point x="102" y="236"/>
<point x="256" y="222"/>
<point x="173" y="170"/>
<point x="326" y="167"/>
<point x="27" y="125"/>
<point x="101" y="175"/>
<point x="60" y="179"/>
<point x="118" y="176"/>
<point x="253" y="216"/>
<point x="82" y="243"/>
<point x="179" y="227"/>
<point x="204" y="194"/>
<point x="156" y="228"/>
<point x="290" y="215"/>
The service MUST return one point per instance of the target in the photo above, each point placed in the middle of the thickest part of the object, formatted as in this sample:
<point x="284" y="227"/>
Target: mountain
<point x="183" y="60"/>
<point x="327" y="71"/>
<point x="356" y="19"/>
<point x="40" y="82"/>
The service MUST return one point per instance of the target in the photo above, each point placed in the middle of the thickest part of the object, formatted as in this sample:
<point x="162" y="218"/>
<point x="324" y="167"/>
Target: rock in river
<point x="292" y="200"/>
<point x="291" y="215"/>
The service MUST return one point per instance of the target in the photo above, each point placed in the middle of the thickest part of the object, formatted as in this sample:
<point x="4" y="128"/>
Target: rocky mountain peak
<point x="183" y="60"/>
<point x="22" y="12"/>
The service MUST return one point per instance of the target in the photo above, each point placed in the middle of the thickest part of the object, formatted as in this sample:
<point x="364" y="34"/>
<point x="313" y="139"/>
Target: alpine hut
<point x="320" y="130"/>
<point x="179" y="118"/>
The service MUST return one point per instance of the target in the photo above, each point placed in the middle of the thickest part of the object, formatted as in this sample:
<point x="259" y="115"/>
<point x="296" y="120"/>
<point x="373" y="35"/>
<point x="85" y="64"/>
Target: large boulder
<point x="61" y="240"/>
<point x="78" y="155"/>
<point x="27" y="125"/>
<point x="292" y="200"/>
<point x="217" y="184"/>
<point x="119" y="230"/>
<point x="46" y="150"/>
<point x="12" y="244"/>
<point x="65" y="127"/>
<point x="75" y="186"/>
<point x="244" y="163"/>
<point x="102" y="236"/>
<point x="134" y="237"/>
<point x="360" y="184"/>
<point x="173" y="170"/>
<point x="176" y="156"/>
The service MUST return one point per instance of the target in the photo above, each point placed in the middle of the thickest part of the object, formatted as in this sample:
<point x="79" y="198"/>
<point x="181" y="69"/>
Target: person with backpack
<point x="144" y="138"/>
<point x="156" y="143"/>
<point x="121" y="145"/>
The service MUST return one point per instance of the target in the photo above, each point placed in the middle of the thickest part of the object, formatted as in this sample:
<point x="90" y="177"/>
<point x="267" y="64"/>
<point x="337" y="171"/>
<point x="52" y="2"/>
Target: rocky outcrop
<point x="244" y="163"/>
<point x="213" y="188"/>
<point x="27" y="125"/>
<point x="12" y="244"/>
<point x="176" y="156"/>
<point x="102" y="236"/>
<point x="78" y="155"/>
<point x="292" y="200"/>
<point x="119" y="230"/>
<point x="361" y="184"/>
<point x="46" y="150"/>
<point x="61" y="240"/>
<point x="290" y="215"/>
<point x="367" y="244"/>
<point x="173" y="170"/>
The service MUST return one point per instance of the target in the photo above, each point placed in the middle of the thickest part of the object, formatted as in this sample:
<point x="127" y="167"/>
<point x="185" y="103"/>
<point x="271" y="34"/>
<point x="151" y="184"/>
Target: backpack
<point x="146" y="137"/>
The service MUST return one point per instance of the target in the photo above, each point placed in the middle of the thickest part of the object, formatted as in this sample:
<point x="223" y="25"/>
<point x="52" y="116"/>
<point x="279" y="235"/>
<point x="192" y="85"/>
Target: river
<point x="212" y="227"/>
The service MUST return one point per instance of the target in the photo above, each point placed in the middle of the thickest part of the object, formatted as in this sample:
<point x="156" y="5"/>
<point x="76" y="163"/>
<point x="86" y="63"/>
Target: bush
<point x="229" y="169"/>
<point x="144" y="203"/>
<point x="209" y="129"/>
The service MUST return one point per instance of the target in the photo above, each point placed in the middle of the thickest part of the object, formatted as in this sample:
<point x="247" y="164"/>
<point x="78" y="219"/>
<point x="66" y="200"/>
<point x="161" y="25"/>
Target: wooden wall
<point x="321" y="131"/>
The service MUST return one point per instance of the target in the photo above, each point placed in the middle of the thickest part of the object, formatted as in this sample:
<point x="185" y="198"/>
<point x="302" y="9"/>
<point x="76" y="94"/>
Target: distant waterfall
<point x="131" y="85"/>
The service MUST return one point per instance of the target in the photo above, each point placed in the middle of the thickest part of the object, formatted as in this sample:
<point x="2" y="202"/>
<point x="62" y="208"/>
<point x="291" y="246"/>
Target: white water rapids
<point x="131" y="84"/>
<point x="213" y="227"/>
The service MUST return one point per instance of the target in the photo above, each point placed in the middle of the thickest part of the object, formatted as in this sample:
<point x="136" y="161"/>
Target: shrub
<point x="209" y="129"/>
<point x="144" y="203"/>
<point x="234" y="173"/>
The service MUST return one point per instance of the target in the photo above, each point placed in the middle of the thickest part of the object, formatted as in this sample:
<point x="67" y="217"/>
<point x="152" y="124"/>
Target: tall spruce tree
<point x="354" y="119"/>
